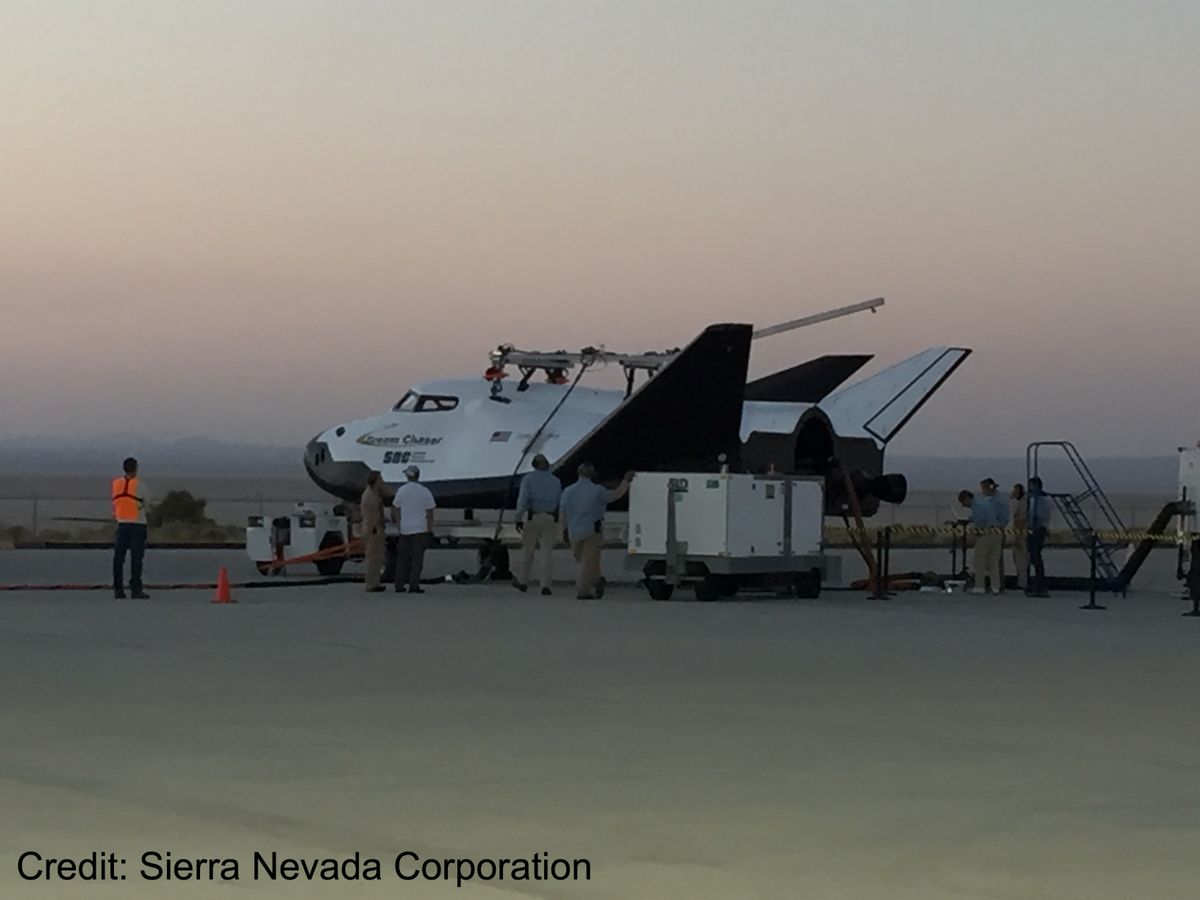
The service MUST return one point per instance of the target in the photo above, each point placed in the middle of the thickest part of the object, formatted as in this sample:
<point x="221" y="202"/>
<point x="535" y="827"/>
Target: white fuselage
<point x="469" y="444"/>
<point x="483" y="438"/>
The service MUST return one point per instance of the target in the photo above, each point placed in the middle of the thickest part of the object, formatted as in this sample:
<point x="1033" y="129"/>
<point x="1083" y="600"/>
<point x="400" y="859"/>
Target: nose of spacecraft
<point x="342" y="478"/>
<point x="316" y="453"/>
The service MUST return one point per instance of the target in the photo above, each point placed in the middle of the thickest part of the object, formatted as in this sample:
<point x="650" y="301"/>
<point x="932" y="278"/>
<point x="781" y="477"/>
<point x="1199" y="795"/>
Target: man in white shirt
<point x="413" y="510"/>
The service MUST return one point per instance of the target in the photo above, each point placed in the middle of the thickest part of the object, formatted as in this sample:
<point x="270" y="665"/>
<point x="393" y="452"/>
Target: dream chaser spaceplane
<point x="473" y="438"/>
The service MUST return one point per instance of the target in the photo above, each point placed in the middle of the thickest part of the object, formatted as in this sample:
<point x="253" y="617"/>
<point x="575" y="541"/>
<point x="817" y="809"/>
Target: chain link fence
<point x="37" y="515"/>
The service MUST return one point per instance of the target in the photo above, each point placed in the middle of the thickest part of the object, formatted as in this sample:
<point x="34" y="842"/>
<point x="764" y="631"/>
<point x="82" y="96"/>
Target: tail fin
<point x="683" y="418"/>
<point x="881" y="405"/>
<point x="809" y="382"/>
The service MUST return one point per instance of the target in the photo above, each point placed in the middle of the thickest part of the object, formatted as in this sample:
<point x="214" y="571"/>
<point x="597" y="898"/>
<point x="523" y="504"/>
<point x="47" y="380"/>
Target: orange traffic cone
<point x="223" y="595"/>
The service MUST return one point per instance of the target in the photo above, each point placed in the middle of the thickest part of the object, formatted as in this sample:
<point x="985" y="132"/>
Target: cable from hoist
<point x="512" y="481"/>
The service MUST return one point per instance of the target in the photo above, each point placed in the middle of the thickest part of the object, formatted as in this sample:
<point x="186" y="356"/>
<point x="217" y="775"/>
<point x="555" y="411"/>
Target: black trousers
<point x="1037" y="541"/>
<point x="131" y="539"/>
<point x="410" y="556"/>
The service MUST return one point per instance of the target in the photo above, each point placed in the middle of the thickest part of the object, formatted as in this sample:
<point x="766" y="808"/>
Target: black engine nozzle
<point x="888" y="488"/>
<point x="870" y="492"/>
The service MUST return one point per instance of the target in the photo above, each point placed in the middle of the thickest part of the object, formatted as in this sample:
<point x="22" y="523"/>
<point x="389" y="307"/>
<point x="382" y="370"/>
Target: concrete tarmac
<point x="933" y="746"/>
<point x="193" y="566"/>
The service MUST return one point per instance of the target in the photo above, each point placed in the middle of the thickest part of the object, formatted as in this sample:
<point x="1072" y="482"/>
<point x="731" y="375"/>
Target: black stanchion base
<point x="1192" y="613"/>
<point x="1093" y="606"/>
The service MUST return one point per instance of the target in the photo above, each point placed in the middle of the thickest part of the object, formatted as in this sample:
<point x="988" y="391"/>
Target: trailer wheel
<point x="330" y="567"/>
<point x="708" y="589"/>
<point x="728" y="586"/>
<point x="659" y="590"/>
<point x="808" y="584"/>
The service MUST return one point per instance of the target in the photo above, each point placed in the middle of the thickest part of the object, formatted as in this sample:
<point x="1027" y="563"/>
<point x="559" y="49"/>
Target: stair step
<point x="1070" y="507"/>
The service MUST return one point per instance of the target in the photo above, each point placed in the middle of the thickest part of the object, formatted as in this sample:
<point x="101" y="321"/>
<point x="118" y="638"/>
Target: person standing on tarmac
<point x="129" y="500"/>
<point x="1039" y="527"/>
<point x="1003" y="517"/>
<point x="413" y="509"/>
<point x="583" y="506"/>
<point x="372" y="531"/>
<point x="1020" y="544"/>
<point x="988" y="511"/>
<point x="537" y="519"/>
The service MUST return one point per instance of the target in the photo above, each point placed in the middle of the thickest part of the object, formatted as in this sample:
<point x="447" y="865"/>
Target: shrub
<point x="179" y="507"/>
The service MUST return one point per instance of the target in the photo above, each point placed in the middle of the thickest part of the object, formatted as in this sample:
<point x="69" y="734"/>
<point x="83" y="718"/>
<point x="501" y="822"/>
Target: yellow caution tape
<point x="1107" y="536"/>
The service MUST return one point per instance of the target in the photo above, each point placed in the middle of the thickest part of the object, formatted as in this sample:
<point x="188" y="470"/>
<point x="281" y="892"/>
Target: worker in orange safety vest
<point x="129" y="509"/>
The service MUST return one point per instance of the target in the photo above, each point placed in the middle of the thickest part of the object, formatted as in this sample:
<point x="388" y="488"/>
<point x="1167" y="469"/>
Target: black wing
<point x="684" y="418"/>
<point x="809" y="382"/>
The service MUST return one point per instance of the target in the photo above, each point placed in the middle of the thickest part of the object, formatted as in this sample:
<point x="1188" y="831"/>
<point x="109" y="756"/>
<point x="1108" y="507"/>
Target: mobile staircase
<point x="1071" y="508"/>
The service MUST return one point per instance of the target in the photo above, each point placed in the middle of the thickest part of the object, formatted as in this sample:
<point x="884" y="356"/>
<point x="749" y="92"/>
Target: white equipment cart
<point x="724" y="532"/>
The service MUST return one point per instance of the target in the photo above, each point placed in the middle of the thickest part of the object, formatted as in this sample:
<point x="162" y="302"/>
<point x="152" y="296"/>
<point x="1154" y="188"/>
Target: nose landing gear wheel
<point x="330" y="567"/>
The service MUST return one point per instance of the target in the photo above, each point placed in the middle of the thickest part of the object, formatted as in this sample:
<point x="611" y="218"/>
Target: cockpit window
<point x="414" y="402"/>
<point x="431" y="403"/>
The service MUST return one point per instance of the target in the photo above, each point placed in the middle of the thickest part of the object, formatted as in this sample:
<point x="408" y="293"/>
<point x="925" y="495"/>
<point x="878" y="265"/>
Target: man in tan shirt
<point x="372" y="531"/>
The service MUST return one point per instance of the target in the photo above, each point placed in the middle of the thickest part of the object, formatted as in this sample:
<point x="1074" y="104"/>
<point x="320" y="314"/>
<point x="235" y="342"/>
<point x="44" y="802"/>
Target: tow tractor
<point x="311" y="532"/>
<point x="321" y="535"/>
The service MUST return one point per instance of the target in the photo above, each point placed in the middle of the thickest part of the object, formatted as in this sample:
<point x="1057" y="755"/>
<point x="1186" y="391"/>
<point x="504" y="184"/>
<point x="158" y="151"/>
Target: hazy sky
<point x="255" y="220"/>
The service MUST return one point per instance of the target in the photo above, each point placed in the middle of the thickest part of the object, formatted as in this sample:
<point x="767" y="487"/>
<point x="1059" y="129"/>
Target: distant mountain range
<point x="188" y="456"/>
<point x="1154" y="475"/>
<point x="204" y="456"/>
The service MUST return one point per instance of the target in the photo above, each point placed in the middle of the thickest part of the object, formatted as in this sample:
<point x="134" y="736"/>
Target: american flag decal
<point x="499" y="437"/>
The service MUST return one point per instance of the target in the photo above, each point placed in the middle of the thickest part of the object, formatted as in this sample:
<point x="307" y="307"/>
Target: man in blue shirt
<point x="1001" y="514"/>
<point x="537" y="517"/>
<point x="583" y="506"/>
<point x="1038" y="516"/>
<point x="989" y="511"/>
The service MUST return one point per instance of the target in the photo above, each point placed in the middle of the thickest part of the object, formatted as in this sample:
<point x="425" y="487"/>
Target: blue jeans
<point x="131" y="539"/>
<point x="410" y="556"/>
